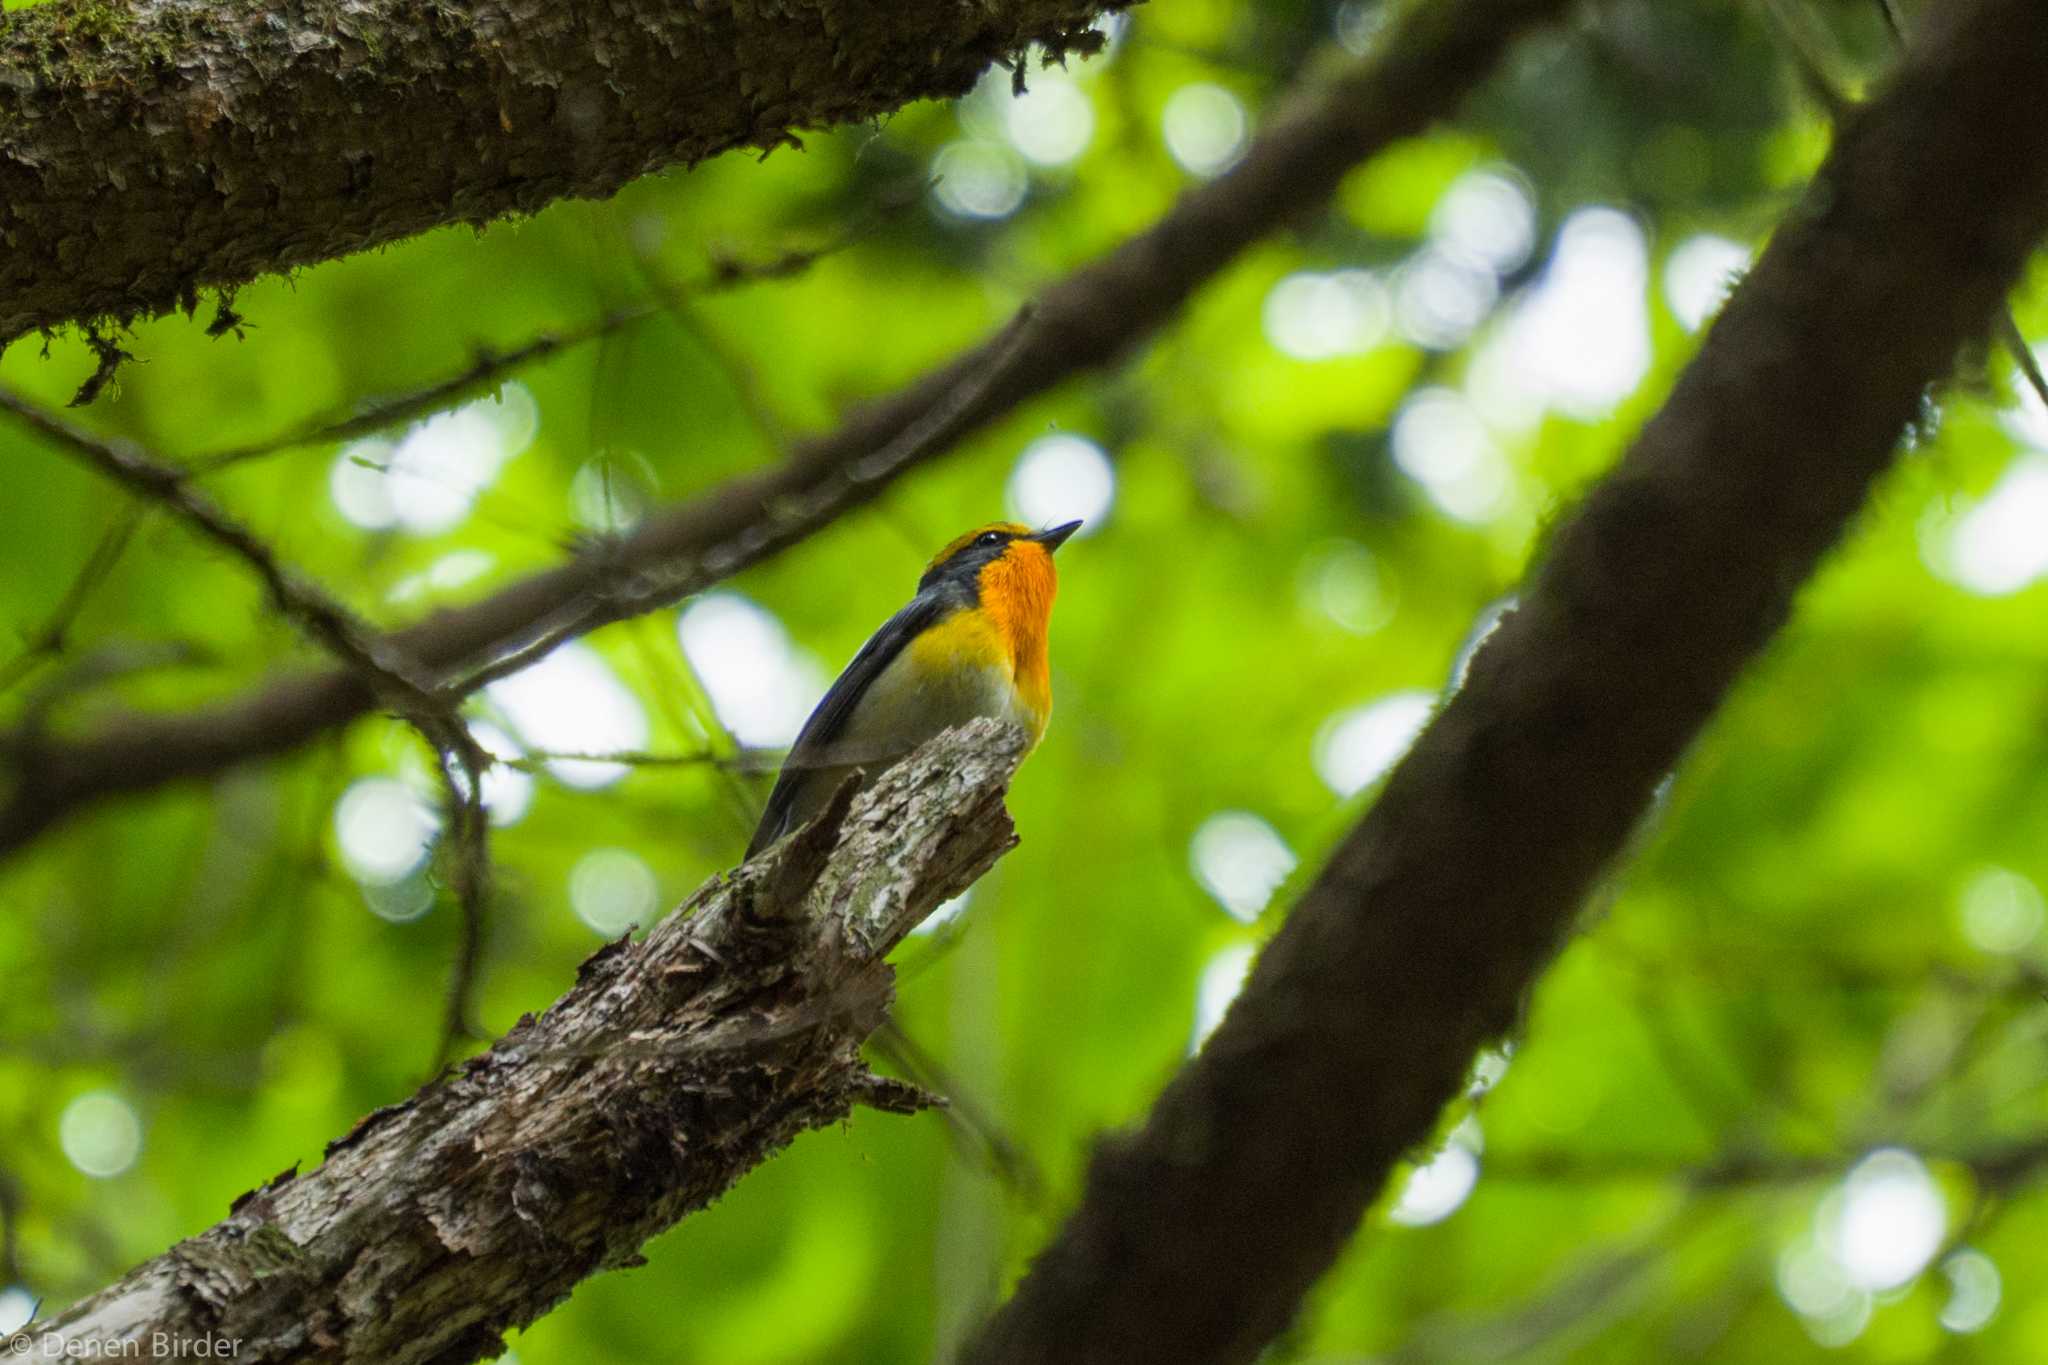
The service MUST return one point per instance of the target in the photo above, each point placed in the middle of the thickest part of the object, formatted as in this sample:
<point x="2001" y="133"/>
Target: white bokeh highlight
<point x="1488" y="218"/>
<point x="1437" y="1188"/>
<point x="1440" y="298"/>
<point x="1357" y="747"/>
<point x="762" y="687"/>
<point x="100" y="1134"/>
<point x="1061" y="478"/>
<point x="1996" y="546"/>
<point x="1223" y="977"/>
<point x="1974" y="1290"/>
<point x="1051" y="123"/>
<point x="613" y="890"/>
<point x="1315" y="316"/>
<point x="383" y="829"/>
<point x="1205" y="128"/>
<point x="978" y="180"/>
<point x="570" y="702"/>
<point x="1580" y="342"/>
<point x="1240" y="860"/>
<point x="1699" y="275"/>
<point x="1340" y="581"/>
<point x="428" y="479"/>
<point x="2001" y="911"/>
<point x="1440" y="441"/>
<point x="1885" y="1222"/>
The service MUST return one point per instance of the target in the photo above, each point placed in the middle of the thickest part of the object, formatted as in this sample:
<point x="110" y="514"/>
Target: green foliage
<point x="1828" y="939"/>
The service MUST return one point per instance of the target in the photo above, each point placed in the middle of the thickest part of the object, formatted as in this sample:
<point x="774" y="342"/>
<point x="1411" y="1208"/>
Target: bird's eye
<point x="989" y="538"/>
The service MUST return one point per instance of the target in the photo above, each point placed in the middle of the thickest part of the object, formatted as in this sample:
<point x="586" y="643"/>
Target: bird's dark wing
<point x="828" y="721"/>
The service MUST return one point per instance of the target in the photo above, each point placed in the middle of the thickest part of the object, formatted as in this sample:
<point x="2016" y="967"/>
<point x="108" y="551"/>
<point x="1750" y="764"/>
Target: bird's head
<point x="1004" y="552"/>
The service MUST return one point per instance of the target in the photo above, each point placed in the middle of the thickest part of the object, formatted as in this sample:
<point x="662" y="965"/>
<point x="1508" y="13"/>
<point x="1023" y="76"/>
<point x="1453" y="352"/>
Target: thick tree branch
<point x="1089" y="319"/>
<point x="1198" y="1234"/>
<point x="672" y="1068"/>
<point x="148" y="151"/>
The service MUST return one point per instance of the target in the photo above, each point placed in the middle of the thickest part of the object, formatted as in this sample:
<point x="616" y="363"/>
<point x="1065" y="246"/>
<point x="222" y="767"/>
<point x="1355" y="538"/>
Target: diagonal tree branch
<point x="149" y="151"/>
<point x="1198" y="1234"/>
<point x="670" y="1069"/>
<point x="1089" y="319"/>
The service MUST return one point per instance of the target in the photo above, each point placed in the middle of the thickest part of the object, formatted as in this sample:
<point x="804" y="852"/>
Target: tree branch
<point x="1089" y="319"/>
<point x="151" y="151"/>
<point x="671" y="1068"/>
<point x="1197" y="1235"/>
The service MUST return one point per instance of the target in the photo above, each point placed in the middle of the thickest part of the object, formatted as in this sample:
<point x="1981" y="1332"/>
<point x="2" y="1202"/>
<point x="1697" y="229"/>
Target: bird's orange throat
<point x="1016" y="593"/>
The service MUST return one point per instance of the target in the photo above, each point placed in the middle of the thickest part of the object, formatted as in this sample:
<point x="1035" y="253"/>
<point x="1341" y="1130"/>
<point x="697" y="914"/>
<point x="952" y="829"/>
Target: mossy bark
<point x="149" y="151"/>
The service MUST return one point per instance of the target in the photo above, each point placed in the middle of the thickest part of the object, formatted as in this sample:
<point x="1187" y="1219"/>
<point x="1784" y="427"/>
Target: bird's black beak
<point x="1057" y="536"/>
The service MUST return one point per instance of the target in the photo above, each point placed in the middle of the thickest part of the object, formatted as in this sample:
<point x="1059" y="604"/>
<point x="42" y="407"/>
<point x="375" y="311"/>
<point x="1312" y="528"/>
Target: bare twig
<point x="51" y="637"/>
<point x="469" y="874"/>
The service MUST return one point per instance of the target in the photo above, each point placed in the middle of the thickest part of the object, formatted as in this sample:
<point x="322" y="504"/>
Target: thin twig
<point x="490" y="367"/>
<point x="469" y="873"/>
<point x="50" y="638"/>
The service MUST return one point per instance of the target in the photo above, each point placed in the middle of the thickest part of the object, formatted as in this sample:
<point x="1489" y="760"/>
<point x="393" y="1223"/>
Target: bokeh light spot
<point x="1439" y="299"/>
<point x="760" y="685"/>
<point x="1434" y="1190"/>
<point x="1997" y="546"/>
<point x="571" y="702"/>
<point x="1059" y="478"/>
<point x="978" y="180"/>
<point x="1358" y="746"/>
<point x="1885" y="1222"/>
<point x="1700" y="274"/>
<point x="1340" y="581"/>
<point x="1973" y="1291"/>
<point x="1205" y="128"/>
<point x="383" y="829"/>
<point x="1240" y="860"/>
<point x="1487" y="217"/>
<point x="100" y="1134"/>
<point x="1052" y="122"/>
<point x="1439" y="441"/>
<point x="1313" y="316"/>
<point x="1582" y="339"/>
<point x="612" y="890"/>
<point x="1223" y="977"/>
<point x="2001" y="911"/>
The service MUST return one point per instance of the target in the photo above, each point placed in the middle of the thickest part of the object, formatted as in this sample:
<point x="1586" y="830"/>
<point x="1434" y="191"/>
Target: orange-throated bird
<point x="971" y="643"/>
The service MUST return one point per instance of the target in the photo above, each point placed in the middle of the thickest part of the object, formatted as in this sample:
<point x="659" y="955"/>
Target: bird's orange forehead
<point x="959" y="543"/>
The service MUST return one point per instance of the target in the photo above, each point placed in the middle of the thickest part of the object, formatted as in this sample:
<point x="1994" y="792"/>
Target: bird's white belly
<point x="907" y="705"/>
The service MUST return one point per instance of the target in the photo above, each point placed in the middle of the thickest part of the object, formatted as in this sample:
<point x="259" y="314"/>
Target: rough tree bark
<point x="1424" y="67"/>
<point x="1197" y="1235"/>
<point x="148" y="151"/>
<point x="671" y="1068"/>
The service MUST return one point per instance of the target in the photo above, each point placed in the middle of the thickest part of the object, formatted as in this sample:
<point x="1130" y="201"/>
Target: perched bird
<point x="971" y="643"/>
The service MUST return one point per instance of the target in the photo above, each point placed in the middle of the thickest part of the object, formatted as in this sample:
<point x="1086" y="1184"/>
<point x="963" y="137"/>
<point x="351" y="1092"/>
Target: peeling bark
<point x="671" y="1068"/>
<point x="149" y="150"/>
